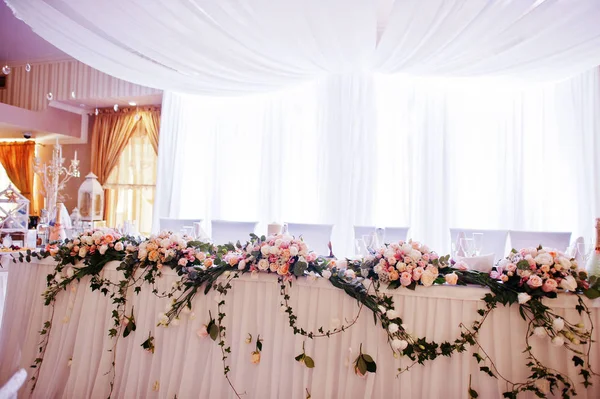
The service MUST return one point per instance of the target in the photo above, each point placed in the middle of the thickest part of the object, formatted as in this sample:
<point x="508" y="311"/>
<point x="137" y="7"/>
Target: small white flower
<point x="326" y="274"/>
<point x="242" y="264"/>
<point x="283" y="308"/>
<point x="349" y="274"/>
<point x="382" y="309"/>
<point x="539" y="332"/>
<point x="162" y="319"/>
<point x="175" y="322"/>
<point x="392" y="314"/>
<point x="399" y="344"/>
<point x="186" y="310"/>
<point x="227" y="273"/>
<point x="103" y="248"/>
<point x="119" y="246"/>
<point x="543" y="385"/>
<point x="58" y="278"/>
<point x="523" y="297"/>
<point x="342" y="264"/>
<point x="393" y="328"/>
<point x="558" y="324"/>
<point x="558" y="341"/>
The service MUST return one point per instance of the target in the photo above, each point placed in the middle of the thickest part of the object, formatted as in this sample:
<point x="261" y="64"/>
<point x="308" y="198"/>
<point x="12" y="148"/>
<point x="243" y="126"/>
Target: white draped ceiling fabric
<point x="334" y="135"/>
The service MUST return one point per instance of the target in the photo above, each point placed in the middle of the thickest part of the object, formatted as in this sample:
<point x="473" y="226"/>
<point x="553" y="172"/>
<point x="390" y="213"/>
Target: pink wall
<point x="50" y="120"/>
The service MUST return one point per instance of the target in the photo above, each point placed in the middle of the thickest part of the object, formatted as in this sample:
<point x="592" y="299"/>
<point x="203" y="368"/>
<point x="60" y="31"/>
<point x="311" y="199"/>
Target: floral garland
<point x="524" y="278"/>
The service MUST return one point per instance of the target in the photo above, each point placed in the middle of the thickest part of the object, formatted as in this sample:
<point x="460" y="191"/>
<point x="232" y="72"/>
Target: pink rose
<point x="545" y="268"/>
<point x="511" y="267"/>
<point x="495" y="275"/>
<point x="182" y="262"/>
<point x="405" y="279"/>
<point x="535" y="281"/>
<point x="202" y="332"/>
<point x="549" y="285"/>
<point x="311" y="257"/>
<point x="416" y="274"/>
<point x="462" y="265"/>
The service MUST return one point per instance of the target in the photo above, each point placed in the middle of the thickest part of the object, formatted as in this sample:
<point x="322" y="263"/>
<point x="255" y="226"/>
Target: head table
<point x="185" y="365"/>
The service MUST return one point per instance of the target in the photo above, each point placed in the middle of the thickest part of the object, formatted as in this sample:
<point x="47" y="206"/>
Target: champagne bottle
<point x="593" y="262"/>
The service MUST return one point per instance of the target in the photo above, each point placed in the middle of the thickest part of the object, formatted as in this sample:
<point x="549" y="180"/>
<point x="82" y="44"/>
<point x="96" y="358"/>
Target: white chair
<point x="395" y="234"/>
<point x="493" y="241"/>
<point x="225" y="231"/>
<point x="316" y="236"/>
<point x="12" y="386"/>
<point x="527" y="239"/>
<point x="176" y="225"/>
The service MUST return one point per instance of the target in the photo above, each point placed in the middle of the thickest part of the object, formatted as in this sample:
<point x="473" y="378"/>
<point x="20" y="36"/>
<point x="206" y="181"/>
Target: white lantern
<point x="91" y="199"/>
<point x="14" y="211"/>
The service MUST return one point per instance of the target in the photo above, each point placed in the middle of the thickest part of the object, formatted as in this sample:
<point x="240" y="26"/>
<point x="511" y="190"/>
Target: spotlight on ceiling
<point x="132" y="103"/>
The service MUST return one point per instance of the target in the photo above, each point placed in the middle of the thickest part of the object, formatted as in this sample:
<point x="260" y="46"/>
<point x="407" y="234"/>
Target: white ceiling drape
<point x="240" y="46"/>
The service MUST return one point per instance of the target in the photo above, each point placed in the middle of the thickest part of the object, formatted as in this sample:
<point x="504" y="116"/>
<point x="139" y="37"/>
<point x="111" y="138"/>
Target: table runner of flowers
<point x="523" y="279"/>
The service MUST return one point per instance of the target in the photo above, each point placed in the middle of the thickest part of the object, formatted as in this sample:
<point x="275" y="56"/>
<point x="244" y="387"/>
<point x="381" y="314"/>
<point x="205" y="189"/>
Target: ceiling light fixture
<point x="132" y="103"/>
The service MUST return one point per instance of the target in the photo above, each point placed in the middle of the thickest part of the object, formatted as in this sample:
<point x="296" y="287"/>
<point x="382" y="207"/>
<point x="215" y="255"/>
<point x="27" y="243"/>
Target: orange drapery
<point x="151" y="122"/>
<point x="17" y="160"/>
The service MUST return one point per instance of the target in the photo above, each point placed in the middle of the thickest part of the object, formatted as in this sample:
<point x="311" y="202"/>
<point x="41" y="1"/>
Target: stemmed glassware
<point x="478" y="243"/>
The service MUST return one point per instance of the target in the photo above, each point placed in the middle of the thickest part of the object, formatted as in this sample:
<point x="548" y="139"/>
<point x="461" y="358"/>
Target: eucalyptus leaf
<point x="361" y="365"/>
<point x="213" y="331"/>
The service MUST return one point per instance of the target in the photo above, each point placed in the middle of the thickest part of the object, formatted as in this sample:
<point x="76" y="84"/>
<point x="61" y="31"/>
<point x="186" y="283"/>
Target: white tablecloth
<point x="190" y="367"/>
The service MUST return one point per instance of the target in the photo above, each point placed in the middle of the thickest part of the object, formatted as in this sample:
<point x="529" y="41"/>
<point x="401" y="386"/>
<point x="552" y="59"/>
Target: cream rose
<point x="119" y="246"/>
<point x="263" y="264"/>
<point x="427" y="278"/>
<point x="535" y="281"/>
<point x="544" y="259"/>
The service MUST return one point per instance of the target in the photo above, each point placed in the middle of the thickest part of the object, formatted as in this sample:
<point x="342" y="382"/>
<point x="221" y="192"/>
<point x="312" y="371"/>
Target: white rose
<point x="103" y="248"/>
<point x="539" y="332"/>
<point x="131" y="248"/>
<point x="82" y="252"/>
<point x="399" y="344"/>
<point x="242" y="264"/>
<point x="389" y="253"/>
<point x="393" y="328"/>
<point x="558" y="341"/>
<point x="544" y="259"/>
<point x="263" y="264"/>
<point x="58" y="278"/>
<point x="142" y="254"/>
<point x="70" y="272"/>
<point x="349" y="273"/>
<point x="165" y="243"/>
<point x="382" y="309"/>
<point x="377" y="268"/>
<point x="274" y="251"/>
<point x="326" y="274"/>
<point x="119" y="246"/>
<point x="70" y="245"/>
<point x="401" y="266"/>
<point x="265" y="250"/>
<point x="293" y="250"/>
<point x="406" y="248"/>
<point x="415" y="255"/>
<point x="342" y="264"/>
<point x="564" y="262"/>
<point x="523" y="297"/>
<point x="76" y="241"/>
<point x="427" y="278"/>
<point x="568" y="283"/>
<point x="558" y="324"/>
<point x="392" y="314"/>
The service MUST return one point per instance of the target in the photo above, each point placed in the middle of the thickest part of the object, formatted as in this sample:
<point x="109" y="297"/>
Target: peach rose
<point x="283" y="270"/>
<point x="451" y="278"/>
<point x="208" y="263"/>
<point x="535" y="281"/>
<point x="394" y="275"/>
<point x="549" y="285"/>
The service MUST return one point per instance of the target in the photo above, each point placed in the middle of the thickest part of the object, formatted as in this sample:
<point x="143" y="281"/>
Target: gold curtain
<point x="151" y="122"/>
<point x="17" y="160"/>
<point x="111" y="134"/>
<point x="112" y="131"/>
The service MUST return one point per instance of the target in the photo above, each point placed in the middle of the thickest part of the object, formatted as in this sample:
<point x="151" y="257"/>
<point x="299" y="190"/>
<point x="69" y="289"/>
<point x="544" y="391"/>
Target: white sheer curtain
<point x="426" y="153"/>
<point x="481" y="154"/>
<point x="293" y="156"/>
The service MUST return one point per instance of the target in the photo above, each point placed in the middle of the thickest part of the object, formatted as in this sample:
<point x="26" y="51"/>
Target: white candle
<point x="76" y="155"/>
<point x="56" y="142"/>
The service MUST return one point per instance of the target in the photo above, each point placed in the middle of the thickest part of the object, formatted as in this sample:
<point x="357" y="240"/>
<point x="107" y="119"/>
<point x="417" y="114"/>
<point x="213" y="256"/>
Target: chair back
<point x="395" y="234"/>
<point x="493" y="241"/>
<point x="527" y="239"/>
<point x="226" y="231"/>
<point x="176" y="225"/>
<point x="316" y="236"/>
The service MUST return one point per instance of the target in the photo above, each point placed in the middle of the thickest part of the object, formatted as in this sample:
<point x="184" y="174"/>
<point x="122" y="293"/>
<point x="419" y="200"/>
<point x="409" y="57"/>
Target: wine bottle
<point x="593" y="262"/>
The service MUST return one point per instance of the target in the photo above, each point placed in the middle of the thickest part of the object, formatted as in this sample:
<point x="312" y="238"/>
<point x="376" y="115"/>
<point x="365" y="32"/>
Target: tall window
<point x="131" y="185"/>
<point x="4" y="180"/>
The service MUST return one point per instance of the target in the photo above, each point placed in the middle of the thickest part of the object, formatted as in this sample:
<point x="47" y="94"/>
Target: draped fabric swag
<point x="17" y="160"/>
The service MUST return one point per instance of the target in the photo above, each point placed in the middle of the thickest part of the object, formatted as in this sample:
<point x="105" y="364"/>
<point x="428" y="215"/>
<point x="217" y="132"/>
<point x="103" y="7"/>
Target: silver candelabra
<point x="54" y="176"/>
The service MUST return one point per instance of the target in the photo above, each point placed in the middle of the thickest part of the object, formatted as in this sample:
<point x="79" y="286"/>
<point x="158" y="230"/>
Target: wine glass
<point x="360" y="247"/>
<point x="368" y="239"/>
<point x="478" y="243"/>
<point x="467" y="245"/>
<point x="581" y="250"/>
